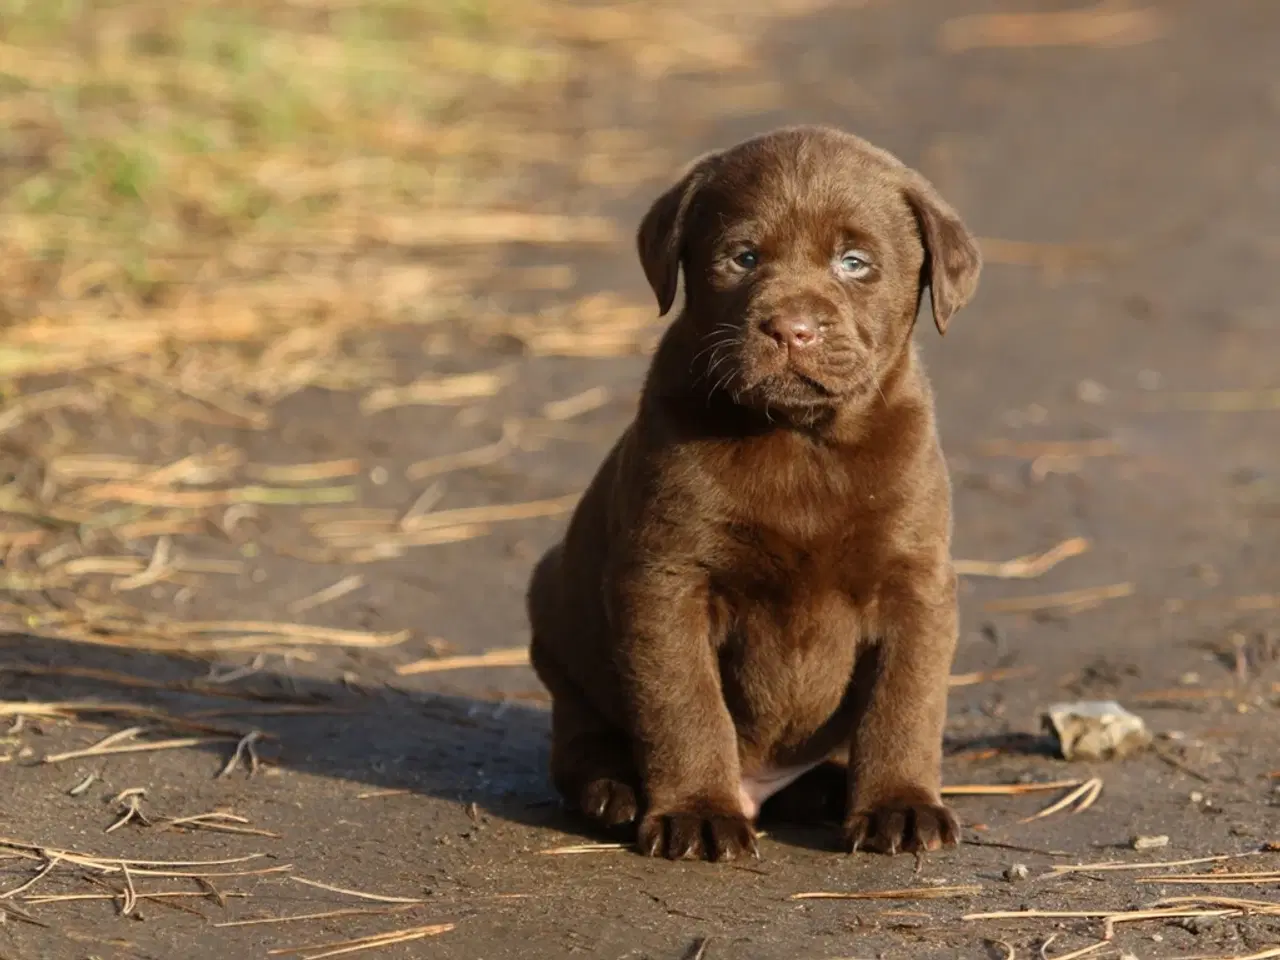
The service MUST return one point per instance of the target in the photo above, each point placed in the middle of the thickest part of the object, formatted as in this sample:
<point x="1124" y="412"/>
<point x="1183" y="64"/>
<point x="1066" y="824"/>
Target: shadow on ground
<point x="488" y="753"/>
<point x="491" y="753"/>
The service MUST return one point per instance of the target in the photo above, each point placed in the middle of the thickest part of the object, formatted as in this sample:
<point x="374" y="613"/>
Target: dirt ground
<point x="1115" y="380"/>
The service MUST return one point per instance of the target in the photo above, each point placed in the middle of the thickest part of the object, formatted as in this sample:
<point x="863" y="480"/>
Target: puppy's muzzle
<point x="793" y="331"/>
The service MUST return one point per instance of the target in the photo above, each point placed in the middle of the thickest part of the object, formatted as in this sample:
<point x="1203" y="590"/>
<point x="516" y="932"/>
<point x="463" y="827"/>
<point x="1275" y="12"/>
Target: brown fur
<point x="759" y="576"/>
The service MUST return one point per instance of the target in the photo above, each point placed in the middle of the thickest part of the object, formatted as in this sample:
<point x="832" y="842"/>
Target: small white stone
<point x="1016" y="872"/>
<point x="1148" y="843"/>
<point x="1096" y="730"/>
<point x="1091" y="392"/>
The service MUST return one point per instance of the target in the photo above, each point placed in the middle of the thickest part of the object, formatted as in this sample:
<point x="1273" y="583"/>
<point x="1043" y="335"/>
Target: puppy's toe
<point x="697" y="836"/>
<point x="902" y="827"/>
<point x="731" y="838"/>
<point x="936" y="827"/>
<point x="611" y="802"/>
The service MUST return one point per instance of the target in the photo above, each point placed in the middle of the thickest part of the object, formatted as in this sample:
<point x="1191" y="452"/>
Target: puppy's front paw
<point x="609" y="801"/>
<point x="697" y="834"/>
<point x="901" y="825"/>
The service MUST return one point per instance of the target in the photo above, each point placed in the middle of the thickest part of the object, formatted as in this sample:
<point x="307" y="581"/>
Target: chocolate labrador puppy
<point x="756" y="590"/>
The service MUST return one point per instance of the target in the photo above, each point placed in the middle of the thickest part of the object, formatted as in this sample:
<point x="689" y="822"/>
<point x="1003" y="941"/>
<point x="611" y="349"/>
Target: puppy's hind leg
<point x="591" y="765"/>
<point x="591" y="761"/>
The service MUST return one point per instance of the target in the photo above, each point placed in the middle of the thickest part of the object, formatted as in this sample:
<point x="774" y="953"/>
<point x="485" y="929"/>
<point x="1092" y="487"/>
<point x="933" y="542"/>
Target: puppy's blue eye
<point x="747" y="259"/>
<point x="855" y="265"/>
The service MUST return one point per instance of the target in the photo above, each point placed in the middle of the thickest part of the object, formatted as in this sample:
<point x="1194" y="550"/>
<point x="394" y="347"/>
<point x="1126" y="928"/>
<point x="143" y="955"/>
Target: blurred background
<point x="317" y="315"/>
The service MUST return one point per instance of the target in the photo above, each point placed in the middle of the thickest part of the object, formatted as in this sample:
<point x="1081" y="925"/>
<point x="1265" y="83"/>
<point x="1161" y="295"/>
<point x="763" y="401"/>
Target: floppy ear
<point x="952" y="259"/>
<point x="660" y="238"/>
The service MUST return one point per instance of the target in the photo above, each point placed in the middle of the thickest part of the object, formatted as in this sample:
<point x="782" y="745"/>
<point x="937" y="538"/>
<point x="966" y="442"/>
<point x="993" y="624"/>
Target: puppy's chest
<point x="795" y="548"/>
<point x="786" y="664"/>
<point x="790" y="620"/>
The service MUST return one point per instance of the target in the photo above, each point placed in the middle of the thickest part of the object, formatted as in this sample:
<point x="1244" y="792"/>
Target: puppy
<point x="758" y="582"/>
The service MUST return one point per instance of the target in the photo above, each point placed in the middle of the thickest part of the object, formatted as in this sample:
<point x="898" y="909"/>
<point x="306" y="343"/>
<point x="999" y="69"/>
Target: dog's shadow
<point x="493" y="753"/>
<point x="487" y="752"/>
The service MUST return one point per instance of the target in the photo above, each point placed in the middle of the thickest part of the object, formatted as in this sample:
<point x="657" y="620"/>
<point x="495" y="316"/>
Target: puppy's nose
<point x="793" y="332"/>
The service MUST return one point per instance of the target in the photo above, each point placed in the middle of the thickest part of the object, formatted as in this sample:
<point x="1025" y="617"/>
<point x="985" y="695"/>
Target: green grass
<point x="153" y="130"/>
<point x="237" y="185"/>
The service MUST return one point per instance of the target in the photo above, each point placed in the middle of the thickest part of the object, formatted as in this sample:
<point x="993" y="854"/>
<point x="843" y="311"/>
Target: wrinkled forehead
<point x="803" y="184"/>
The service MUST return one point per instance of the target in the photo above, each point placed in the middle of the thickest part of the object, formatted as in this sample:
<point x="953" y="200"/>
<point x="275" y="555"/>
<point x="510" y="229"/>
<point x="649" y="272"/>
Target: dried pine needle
<point x="577" y="405"/>
<point x="344" y="947"/>
<point x="201" y="499"/>
<point x="988" y="676"/>
<point x="178" y="743"/>
<point x="113" y="864"/>
<point x="205" y="874"/>
<point x="507" y="657"/>
<point x="1112" y="865"/>
<point x="465" y="459"/>
<point x="130" y="805"/>
<point x="219" y="821"/>
<point x="1006" y="789"/>
<point x="307" y="917"/>
<point x="77" y="708"/>
<point x="1023" y="568"/>
<point x="1083" y="796"/>
<point x="1033" y="449"/>
<point x="44" y="871"/>
<point x="296" y="632"/>
<point x="300" y="473"/>
<point x="1070" y="601"/>
<point x="329" y="594"/>
<point x="1076" y="954"/>
<point x="493" y="513"/>
<point x="1095" y="914"/>
<point x="359" y="894"/>
<point x="439" y="391"/>
<point x="580" y="848"/>
<point x="246" y="753"/>
<point x="917" y="893"/>
<point x="1216" y="879"/>
<point x="1262" y="906"/>
<point x="146" y="895"/>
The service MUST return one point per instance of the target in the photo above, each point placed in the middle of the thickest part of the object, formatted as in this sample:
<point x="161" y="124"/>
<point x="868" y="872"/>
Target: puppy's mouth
<point x="788" y="389"/>
<point x="779" y="377"/>
<point x="784" y="389"/>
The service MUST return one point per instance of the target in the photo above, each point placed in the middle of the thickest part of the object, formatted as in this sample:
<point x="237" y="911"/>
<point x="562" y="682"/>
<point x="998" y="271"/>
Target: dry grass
<point x="211" y="207"/>
<point x="220" y="175"/>
<point x="1105" y="24"/>
<point x="237" y="188"/>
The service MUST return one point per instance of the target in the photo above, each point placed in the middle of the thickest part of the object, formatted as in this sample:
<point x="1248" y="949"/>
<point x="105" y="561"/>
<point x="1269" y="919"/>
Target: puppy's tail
<point x="544" y="602"/>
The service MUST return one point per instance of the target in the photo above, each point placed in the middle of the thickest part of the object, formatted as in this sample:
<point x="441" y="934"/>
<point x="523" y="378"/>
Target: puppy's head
<point x="805" y="254"/>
